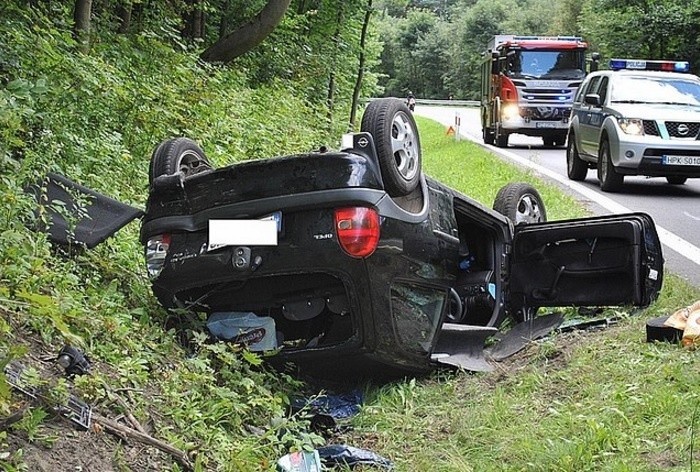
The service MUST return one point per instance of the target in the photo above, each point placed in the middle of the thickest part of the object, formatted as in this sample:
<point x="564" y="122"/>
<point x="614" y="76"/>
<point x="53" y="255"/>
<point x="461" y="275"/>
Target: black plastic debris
<point x="74" y="409"/>
<point x="342" y="455"/>
<point x="588" y="325"/>
<point x="338" y="406"/>
<point x="326" y="410"/>
<point x="72" y="214"/>
<point x="657" y="330"/>
<point x="73" y="361"/>
<point x="520" y="335"/>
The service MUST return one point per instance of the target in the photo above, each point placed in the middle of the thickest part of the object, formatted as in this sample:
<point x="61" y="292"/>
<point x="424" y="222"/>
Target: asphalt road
<point x="675" y="208"/>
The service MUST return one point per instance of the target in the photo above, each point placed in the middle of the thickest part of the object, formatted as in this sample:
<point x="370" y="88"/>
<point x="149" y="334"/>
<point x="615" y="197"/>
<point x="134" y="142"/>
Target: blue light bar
<point x="636" y="64"/>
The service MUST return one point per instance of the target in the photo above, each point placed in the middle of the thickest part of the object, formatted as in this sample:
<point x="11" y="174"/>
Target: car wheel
<point x="676" y="180"/>
<point x="576" y="168"/>
<point x="610" y="181"/>
<point x="521" y="203"/>
<point x="548" y="141"/>
<point x="177" y="155"/>
<point x="560" y="139"/>
<point x="488" y="136"/>
<point x="395" y="134"/>
<point x="501" y="139"/>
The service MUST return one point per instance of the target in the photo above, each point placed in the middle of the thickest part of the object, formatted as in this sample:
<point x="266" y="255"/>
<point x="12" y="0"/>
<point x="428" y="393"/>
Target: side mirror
<point x="592" y="99"/>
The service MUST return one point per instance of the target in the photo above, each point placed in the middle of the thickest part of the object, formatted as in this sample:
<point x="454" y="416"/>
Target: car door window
<point x="602" y="90"/>
<point x="593" y="86"/>
<point x="582" y="92"/>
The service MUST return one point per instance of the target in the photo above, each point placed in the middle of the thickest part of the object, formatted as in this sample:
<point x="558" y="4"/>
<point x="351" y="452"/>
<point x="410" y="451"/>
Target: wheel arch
<point x="613" y="140"/>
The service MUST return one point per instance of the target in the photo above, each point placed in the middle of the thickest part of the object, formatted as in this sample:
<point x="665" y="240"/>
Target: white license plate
<point x="259" y="232"/>
<point x="546" y="124"/>
<point x="681" y="160"/>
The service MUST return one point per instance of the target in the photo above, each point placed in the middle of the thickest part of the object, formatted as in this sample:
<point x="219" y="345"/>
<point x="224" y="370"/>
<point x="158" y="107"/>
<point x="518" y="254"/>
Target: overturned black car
<point x="356" y="261"/>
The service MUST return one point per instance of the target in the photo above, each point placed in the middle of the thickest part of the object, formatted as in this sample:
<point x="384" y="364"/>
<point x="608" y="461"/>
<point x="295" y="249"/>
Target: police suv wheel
<point x="610" y="181"/>
<point x="675" y="180"/>
<point x="576" y="168"/>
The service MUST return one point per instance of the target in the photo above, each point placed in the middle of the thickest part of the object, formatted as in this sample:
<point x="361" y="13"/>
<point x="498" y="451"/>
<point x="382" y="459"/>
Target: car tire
<point x="501" y="139"/>
<point x="676" y="180"/>
<point x="177" y="155"/>
<point x="576" y="168"/>
<point x="396" y="139"/>
<point x="610" y="180"/>
<point x="521" y="203"/>
<point x="488" y="136"/>
<point x="560" y="139"/>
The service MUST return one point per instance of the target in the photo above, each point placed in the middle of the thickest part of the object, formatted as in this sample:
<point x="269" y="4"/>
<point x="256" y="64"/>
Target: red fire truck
<point x="528" y="84"/>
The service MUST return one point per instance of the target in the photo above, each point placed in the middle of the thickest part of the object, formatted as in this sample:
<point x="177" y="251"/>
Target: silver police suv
<point x="638" y="118"/>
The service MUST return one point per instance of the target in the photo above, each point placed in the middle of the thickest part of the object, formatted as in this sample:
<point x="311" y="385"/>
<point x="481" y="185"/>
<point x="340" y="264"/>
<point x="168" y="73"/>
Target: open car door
<point x="601" y="261"/>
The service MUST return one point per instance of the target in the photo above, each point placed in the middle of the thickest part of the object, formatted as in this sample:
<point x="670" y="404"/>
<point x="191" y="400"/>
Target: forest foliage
<point x="434" y="48"/>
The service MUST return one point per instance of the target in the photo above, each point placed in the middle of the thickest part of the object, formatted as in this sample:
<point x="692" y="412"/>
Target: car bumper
<point x="534" y="128"/>
<point x="656" y="157"/>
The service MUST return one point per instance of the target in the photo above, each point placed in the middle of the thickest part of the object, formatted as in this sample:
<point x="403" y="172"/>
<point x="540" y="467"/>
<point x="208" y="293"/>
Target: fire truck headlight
<point x="631" y="126"/>
<point x="510" y="112"/>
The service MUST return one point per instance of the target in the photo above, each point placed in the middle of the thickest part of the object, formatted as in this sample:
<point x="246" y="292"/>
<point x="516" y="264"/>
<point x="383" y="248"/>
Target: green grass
<point x="585" y="401"/>
<point x="467" y="167"/>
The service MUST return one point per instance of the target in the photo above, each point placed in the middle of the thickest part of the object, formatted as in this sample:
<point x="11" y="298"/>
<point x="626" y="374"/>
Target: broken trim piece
<point x="76" y="215"/>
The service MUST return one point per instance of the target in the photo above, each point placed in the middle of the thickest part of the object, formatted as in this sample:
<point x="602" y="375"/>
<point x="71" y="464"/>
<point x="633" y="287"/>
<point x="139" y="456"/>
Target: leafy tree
<point x="644" y="29"/>
<point x="566" y="18"/>
<point x="406" y="46"/>
<point x="473" y="29"/>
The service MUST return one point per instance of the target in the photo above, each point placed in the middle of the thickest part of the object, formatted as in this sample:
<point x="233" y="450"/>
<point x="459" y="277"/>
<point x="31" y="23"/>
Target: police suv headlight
<point x="631" y="126"/>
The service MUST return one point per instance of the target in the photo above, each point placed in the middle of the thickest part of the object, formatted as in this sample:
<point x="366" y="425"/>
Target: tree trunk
<point x="330" y="98"/>
<point x="249" y="35"/>
<point x="194" y="20"/>
<point x="197" y="20"/>
<point x="360" y="68"/>
<point x="124" y="16"/>
<point x="81" y="19"/>
<point x="224" y="25"/>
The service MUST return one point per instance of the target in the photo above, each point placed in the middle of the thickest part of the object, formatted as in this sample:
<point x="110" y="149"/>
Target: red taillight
<point x="358" y="230"/>
<point x="508" y="90"/>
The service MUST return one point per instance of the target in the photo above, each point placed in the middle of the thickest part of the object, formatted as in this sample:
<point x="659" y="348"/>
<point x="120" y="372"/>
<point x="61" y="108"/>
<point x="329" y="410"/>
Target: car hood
<point x="659" y="112"/>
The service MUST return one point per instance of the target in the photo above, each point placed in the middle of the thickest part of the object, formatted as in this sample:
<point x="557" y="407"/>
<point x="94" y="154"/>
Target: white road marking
<point x="696" y="218"/>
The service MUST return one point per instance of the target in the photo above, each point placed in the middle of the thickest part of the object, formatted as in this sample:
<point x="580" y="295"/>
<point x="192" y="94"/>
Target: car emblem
<point x="683" y="129"/>
<point x="362" y="142"/>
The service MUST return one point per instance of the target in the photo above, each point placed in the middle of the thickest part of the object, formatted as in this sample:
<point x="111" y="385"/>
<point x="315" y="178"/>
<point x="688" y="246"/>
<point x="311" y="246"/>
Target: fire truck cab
<point x="528" y="85"/>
